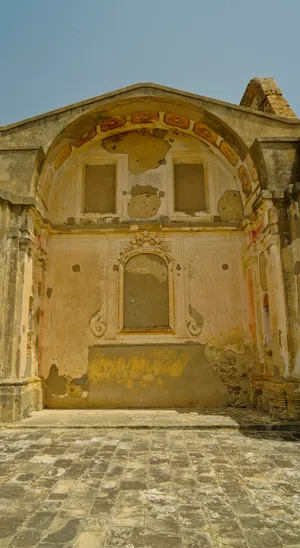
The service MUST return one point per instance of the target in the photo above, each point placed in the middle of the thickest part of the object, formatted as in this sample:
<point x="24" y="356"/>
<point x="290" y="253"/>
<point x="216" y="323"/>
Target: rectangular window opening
<point x="100" y="189"/>
<point x="146" y="293"/>
<point x="189" y="188"/>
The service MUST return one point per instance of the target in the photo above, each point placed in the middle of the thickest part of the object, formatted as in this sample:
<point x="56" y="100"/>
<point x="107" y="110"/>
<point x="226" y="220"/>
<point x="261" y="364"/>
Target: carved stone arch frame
<point x="145" y="250"/>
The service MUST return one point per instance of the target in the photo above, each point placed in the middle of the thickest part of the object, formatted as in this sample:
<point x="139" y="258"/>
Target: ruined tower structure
<point x="150" y="254"/>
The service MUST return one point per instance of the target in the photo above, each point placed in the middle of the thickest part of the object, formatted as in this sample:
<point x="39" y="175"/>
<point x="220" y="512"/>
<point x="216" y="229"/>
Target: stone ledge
<point x="19" y="398"/>
<point x="230" y="419"/>
<point x="18" y="382"/>
<point x="7" y="196"/>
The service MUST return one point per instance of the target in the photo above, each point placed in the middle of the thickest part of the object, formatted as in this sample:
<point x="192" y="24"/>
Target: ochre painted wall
<point x="205" y="356"/>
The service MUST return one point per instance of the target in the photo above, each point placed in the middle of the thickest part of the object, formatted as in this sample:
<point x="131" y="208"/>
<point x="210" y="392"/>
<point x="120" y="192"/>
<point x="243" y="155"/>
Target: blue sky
<point x="57" y="52"/>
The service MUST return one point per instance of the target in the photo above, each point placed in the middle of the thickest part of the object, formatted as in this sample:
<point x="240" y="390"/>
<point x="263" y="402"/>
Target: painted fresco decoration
<point x="246" y="172"/>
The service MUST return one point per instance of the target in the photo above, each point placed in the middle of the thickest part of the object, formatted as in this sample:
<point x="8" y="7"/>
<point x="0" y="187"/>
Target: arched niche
<point x="146" y="292"/>
<point x="120" y="131"/>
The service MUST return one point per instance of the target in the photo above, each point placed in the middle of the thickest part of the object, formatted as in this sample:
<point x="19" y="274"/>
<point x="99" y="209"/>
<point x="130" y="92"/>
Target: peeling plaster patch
<point x="85" y="221"/>
<point x="158" y="132"/>
<point x="143" y="189"/>
<point x="230" y="207"/>
<point x="297" y="267"/>
<point x="143" y="206"/>
<point x="161" y="194"/>
<point x="49" y="292"/>
<point x="116" y="268"/>
<point x="150" y="182"/>
<point x="233" y="369"/>
<point x="146" y="263"/>
<point x="144" y="203"/>
<point x="263" y="261"/>
<point x="225" y="267"/>
<point x="76" y="268"/>
<point x="62" y="386"/>
<point x="70" y="221"/>
<point x="178" y="267"/>
<point x="55" y="384"/>
<point x="146" y="151"/>
<point x="81" y="380"/>
<point x="77" y="388"/>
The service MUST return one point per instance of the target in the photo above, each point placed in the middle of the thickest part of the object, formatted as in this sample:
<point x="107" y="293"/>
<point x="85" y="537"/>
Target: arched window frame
<point x="168" y="260"/>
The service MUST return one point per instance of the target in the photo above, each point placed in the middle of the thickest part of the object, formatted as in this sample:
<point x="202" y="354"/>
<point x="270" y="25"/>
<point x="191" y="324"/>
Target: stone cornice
<point x="145" y="89"/>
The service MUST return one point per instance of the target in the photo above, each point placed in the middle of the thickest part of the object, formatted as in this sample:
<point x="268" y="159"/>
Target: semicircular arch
<point x="154" y="115"/>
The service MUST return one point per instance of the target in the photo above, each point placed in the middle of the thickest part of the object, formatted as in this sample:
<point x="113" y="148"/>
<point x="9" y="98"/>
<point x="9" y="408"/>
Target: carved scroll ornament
<point x="193" y="328"/>
<point x="195" y="323"/>
<point x="97" y="324"/>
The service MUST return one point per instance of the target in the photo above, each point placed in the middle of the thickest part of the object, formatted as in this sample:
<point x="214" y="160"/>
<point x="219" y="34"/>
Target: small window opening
<point x="100" y="189"/>
<point x="189" y="188"/>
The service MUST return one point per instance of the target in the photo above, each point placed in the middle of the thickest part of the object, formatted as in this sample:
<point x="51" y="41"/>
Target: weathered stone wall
<point x="20" y="387"/>
<point x="203" y="357"/>
<point x="19" y="171"/>
<point x="221" y="271"/>
<point x="271" y="260"/>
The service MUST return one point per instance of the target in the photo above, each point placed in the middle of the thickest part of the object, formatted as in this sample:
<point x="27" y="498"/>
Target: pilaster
<point x="20" y="388"/>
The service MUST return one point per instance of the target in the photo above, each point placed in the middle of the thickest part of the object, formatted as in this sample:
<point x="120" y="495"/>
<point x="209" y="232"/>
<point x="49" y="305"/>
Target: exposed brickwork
<point x="279" y="397"/>
<point x="263" y="94"/>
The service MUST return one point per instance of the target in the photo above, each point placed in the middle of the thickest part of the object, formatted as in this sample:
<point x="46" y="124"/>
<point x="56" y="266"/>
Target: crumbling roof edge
<point x="135" y="87"/>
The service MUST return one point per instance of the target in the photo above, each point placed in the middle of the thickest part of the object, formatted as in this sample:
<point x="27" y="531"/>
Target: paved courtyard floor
<point x="163" y="487"/>
<point x="199" y="418"/>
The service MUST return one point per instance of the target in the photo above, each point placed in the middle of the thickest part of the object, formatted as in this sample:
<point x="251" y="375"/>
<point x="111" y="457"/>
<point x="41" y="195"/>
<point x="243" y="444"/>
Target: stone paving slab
<point x="157" y="488"/>
<point x="231" y="418"/>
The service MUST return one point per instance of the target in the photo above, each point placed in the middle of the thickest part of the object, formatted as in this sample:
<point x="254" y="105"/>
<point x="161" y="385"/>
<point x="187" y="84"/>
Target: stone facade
<point x="150" y="254"/>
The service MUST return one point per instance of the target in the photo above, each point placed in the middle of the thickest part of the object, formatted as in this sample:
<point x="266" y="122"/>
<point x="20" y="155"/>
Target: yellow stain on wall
<point x="138" y="367"/>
